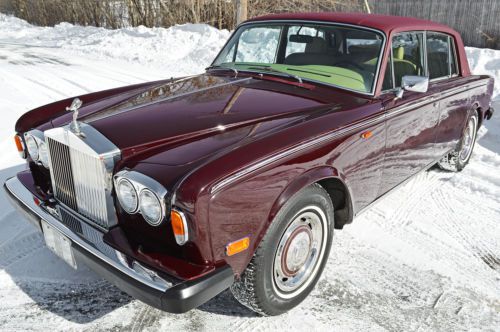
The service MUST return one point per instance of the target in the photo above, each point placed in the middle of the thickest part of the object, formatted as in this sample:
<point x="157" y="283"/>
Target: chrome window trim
<point x="340" y="133"/>
<point x="361" y="27"/>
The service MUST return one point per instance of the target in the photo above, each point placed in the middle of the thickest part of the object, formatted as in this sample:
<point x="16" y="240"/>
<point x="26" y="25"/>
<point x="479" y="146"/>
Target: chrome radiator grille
<point x="81" y="174"/>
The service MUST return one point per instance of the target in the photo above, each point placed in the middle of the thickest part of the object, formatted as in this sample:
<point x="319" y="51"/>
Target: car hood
<point x="213" y="111"/>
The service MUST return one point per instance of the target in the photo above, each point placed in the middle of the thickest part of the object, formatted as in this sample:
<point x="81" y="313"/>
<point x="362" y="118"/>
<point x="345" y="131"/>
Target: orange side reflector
<point x="367" y="134"/>
<point x="237" y="246"/>
<point x="179" y="227"/>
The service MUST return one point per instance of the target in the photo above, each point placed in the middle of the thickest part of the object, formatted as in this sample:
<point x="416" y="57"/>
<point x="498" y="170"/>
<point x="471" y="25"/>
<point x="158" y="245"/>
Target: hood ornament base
<point x="75" y="126"/>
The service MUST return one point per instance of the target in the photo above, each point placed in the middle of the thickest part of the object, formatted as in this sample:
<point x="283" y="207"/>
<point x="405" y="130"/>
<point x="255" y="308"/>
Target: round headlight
<point x="127" y="196"/>
<point x="43" y="155"/>
<point x="150" y="207"/>
<point x="32" y="146"/>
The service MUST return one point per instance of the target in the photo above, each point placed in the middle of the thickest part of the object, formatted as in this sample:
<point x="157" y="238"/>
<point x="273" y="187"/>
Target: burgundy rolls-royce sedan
<point x="177" y="190"/>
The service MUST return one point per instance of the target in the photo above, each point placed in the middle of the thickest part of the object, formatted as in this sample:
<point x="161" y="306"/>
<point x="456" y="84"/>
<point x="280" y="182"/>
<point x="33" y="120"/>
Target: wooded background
<point x="477" y="20"/>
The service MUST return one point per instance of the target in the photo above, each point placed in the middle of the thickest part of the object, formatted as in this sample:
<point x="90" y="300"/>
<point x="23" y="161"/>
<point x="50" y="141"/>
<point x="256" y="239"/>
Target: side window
<point x="438" y="55"/>
<point x="407" y="52"/>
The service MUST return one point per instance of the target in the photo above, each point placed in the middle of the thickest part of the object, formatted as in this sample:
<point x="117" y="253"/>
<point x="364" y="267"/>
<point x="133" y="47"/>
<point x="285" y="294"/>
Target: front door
<point x="411" y="121"/>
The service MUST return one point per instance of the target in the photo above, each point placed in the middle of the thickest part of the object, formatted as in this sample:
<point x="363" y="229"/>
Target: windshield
<point x="343" y="56"/>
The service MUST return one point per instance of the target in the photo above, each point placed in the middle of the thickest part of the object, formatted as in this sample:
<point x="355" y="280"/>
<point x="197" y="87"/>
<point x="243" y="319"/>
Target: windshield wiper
<point x="272" y="70"/>
<point x="309" y="72"/>
<point x="218" y="67"/>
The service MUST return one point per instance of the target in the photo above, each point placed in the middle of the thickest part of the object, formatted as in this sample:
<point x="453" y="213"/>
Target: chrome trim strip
<point x="360" y="27"/>
<point x="297" y="148"/>
<point x="18" y="190"/>
<point x="91" y="118"/>
<point x="341" y="132"/>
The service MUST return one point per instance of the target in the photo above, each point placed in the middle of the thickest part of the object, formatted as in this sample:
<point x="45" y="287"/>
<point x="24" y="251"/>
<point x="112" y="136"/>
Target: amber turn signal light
<point x="367" y="134"/>
<point x="179" y="226"/>
<point x="237" y="246"/>
<point x="19" y="146"/>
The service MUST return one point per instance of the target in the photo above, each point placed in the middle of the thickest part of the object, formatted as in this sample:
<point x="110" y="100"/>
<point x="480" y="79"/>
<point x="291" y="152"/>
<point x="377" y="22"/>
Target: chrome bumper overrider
<point x="92" y="244"/>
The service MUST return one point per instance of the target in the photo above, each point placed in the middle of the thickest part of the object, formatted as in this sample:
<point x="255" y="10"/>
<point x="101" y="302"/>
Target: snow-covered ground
<point x="426" y="257"/>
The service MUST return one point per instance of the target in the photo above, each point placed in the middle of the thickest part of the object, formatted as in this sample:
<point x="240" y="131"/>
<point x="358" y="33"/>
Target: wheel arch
<point x="332" y="181"/>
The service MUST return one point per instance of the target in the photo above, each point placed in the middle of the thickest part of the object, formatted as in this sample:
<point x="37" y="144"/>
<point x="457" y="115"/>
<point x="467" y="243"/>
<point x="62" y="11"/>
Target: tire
<point x="456" y="160"/>
<point x="292" y="255"/>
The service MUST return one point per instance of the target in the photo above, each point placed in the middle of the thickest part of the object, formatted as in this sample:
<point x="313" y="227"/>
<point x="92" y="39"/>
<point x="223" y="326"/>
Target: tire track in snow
<point x="14" y="252"/>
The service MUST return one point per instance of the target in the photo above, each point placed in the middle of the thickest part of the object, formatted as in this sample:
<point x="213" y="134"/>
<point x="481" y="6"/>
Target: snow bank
<point x="484" y="61"/>
<point x="179" y="50"/>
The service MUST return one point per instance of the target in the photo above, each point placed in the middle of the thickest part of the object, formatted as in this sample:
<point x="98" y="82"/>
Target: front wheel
<point x="456" y="160"/>
<point x="289" y="261"/>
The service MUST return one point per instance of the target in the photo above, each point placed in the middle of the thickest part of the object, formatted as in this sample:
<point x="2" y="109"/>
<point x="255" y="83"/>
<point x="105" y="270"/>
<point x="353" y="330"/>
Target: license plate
<point x="58" y="244"/>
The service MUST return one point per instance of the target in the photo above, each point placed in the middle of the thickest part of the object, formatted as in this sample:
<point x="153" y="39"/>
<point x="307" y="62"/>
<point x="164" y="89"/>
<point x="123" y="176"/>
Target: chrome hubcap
<point x="299" y="251"/>
<point x="468" y="140"/>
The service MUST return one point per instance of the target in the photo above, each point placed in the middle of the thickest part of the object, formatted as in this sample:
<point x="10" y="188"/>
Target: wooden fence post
<point x="241" y="11"/>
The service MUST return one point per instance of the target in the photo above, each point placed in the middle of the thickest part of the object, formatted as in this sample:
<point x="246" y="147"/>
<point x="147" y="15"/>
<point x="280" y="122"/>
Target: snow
<point x="426" y="257"/>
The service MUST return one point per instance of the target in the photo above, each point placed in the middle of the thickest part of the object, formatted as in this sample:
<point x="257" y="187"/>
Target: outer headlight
<point x="150" y="207"/>
<point x="43" y="154"/>
<point x="127" y="195"/>
<point x="32" y="146"/>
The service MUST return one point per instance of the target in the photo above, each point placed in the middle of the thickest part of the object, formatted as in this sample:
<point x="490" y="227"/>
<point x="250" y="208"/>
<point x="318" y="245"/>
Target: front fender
<point x="305" y="179"/>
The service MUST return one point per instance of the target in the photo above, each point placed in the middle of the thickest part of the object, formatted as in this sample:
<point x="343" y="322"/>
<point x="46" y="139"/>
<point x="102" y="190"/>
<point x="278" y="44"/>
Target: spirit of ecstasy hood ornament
<point x="75" y="105"/>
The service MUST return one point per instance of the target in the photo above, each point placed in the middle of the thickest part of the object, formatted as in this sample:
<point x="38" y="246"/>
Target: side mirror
<point x="413" y="83"/>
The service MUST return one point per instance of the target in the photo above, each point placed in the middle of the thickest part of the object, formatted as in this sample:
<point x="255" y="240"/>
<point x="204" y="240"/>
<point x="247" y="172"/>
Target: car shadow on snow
<point x="78" y="295"/>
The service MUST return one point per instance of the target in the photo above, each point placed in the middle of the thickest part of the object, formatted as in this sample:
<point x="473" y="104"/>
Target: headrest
<point x="318" y="45"/>
<point x="399" y="53"/>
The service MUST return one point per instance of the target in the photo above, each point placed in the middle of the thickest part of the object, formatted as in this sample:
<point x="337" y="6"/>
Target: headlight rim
<point x="118" y="182"/>
<point x="27" y="138"/>
<point x="140" y="182"/>
<point x="160" y="205"/>
<point x="45" y="162"/>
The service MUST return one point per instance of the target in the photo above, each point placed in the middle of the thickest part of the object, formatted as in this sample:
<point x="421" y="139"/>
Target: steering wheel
<point x="349" y="63"/>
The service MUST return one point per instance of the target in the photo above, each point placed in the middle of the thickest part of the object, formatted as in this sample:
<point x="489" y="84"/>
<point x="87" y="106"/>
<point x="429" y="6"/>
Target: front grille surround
<point x="81" y="169"/>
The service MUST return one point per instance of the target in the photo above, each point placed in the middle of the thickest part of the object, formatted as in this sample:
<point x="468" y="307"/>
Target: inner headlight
<point x="150" y="207"/>
<point x="127" y="196"/>
<point x="43" y="154"/>
<point x="32" y="146"/>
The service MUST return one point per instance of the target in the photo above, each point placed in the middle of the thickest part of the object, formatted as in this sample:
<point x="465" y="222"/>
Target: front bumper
<point x="164" y="293"/>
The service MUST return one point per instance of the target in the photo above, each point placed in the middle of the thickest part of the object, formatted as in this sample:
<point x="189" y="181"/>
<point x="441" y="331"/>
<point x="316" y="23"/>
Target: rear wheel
<point x="456" y="160"/>
<point x="291" y="256"/>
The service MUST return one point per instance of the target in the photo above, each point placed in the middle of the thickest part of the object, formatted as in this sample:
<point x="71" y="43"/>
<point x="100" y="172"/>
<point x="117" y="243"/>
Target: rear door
<point x="445" y="83"/>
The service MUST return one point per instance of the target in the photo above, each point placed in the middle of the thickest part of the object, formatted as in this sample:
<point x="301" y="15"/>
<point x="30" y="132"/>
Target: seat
<point x="402" y="67"/>
<point x="315" y="53"/>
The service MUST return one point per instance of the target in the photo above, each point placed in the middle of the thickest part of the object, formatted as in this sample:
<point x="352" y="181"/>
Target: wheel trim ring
<point x="320" y="254"/>
<point x="469" y="139"/>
